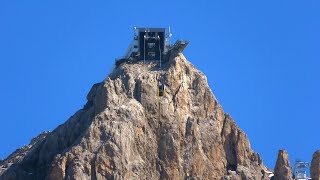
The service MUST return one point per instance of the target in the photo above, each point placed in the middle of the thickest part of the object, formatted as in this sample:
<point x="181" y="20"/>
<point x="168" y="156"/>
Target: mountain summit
<point x="127" y="131"/>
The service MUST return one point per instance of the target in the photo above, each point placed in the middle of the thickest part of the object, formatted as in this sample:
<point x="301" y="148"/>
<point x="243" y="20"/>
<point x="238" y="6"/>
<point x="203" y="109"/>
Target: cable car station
<point x="151" y="44"/>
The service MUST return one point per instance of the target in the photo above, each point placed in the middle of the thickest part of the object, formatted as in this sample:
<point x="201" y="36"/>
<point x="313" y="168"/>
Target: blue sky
<point x="261" y="58"/>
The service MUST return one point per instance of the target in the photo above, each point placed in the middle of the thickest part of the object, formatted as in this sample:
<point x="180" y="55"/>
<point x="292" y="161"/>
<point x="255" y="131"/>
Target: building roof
<point x="140" y="29"/>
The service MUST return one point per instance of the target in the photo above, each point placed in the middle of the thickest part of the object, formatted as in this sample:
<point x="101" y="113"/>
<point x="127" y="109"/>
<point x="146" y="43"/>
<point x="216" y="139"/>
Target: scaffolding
<point x="300" y="170"/>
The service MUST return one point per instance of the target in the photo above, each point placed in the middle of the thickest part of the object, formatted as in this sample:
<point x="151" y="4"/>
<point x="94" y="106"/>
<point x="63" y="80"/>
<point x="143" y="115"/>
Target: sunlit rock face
<point x="282" y="171"/>
<point x="126" y="131"/>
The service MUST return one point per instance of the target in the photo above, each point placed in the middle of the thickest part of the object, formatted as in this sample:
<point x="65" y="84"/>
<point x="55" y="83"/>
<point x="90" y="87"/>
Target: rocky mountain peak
<point x="315" y="166"/>
<point x="282" y="170"/>
<point x="127" y="131"/>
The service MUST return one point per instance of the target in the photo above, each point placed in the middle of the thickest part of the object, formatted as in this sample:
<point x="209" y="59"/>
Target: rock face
<point x="282" y="171"/>
<point x="315" y="166"/>
<point x="125" y="131"/>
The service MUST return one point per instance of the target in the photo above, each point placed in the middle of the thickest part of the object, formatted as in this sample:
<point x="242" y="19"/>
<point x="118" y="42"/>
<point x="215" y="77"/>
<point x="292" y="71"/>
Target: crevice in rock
<point x="93" y="167"/>
<point x="231" y="167"/>
<point x="137" y="90"/>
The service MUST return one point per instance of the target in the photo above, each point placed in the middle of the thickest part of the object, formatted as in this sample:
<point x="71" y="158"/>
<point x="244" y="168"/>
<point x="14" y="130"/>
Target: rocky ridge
<point x="125" y="131"/>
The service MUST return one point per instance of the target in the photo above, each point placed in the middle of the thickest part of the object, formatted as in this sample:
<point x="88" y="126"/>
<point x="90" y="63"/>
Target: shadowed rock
<point x="315" y="166"/>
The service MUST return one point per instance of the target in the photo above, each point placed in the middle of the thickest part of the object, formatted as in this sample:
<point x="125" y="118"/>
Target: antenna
<point x="169" y="33"/>
<point x="134" y="31"/>
<point x="159" y="50"/>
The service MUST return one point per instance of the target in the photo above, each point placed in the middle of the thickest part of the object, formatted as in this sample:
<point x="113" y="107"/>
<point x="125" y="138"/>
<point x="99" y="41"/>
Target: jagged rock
<point x="282" y="170"/>
<point x="315" y="166"/>
<point x="125" y="131"/>
<point x="17" y="156"/>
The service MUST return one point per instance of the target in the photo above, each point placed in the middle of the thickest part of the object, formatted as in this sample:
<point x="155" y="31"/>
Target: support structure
<point x="300" y="170"/>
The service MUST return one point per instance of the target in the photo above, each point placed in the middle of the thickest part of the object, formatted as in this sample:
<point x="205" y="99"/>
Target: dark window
<point x="151" y="45"/>
<point x="151" y="54"/>
<point x="161" y="90"/>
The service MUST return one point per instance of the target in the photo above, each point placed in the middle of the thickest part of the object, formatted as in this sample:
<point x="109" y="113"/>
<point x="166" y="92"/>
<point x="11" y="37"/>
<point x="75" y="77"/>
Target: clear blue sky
<point x="262" y="60"/>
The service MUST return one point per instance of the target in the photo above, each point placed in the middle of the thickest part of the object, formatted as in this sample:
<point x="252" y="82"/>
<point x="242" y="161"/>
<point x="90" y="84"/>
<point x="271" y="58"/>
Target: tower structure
<point x="300" y="170"/>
